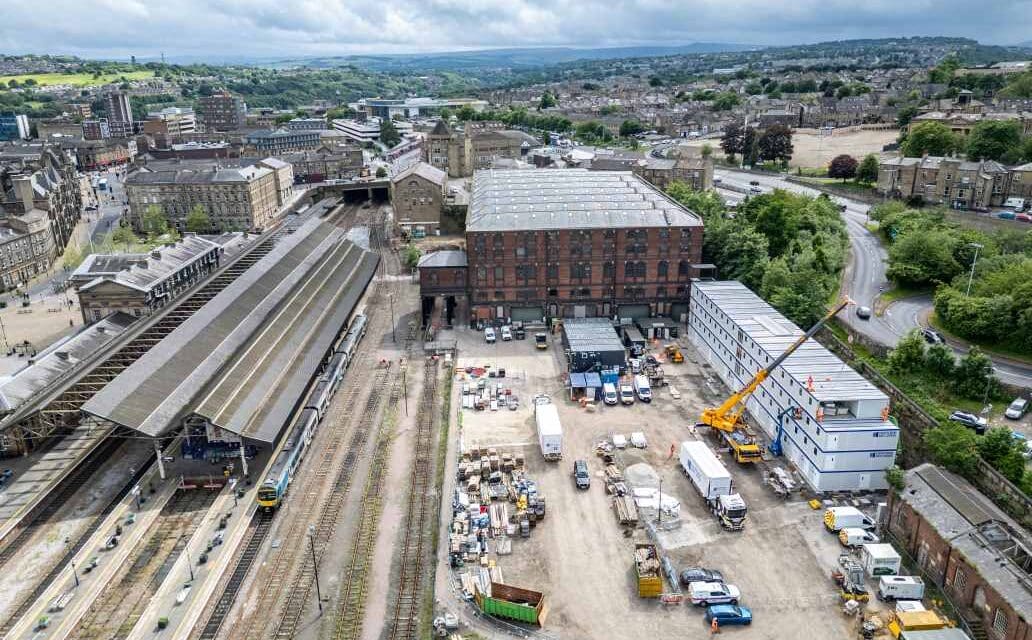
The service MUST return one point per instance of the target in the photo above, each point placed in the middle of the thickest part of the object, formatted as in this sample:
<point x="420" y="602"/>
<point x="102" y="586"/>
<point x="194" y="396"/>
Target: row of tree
<point x="1000" y="140"/>
<point x="773" y="144"/>
<point x="846" y="167"/>
<point x="788" y="248"/>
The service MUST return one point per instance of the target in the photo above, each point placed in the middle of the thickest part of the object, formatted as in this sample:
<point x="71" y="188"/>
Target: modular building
<point x="835" y="424"/>
<point x="592" y="344"/>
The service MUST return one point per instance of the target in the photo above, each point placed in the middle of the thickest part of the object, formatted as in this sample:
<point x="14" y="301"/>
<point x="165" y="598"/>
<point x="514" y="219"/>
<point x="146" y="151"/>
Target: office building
<point x="835" y="425"/>
<point x="27" y="247"/>
<point x="119" y="114"/>
<point x="277" y="141"/>
<point x="96" y="129"/>
<point x="414" y="107"/>
<point x="14" y="127"/>
<point x="221" y="112"/>
<point x="171" y="122"/>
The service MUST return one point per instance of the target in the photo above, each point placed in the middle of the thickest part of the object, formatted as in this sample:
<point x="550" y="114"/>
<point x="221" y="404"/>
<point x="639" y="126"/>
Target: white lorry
<point x="900" y="588"/>
<point x="549" y="429"/>
<point x="713" y="482"/>
<point x="642" y="388"/>
<point x="880" y="559"/>
<point x="838" y="518"/>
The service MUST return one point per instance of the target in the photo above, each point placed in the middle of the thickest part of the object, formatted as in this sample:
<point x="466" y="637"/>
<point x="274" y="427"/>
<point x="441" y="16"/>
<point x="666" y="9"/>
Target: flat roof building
<point x="842" y="439"/>
<point x="414" y="107"/>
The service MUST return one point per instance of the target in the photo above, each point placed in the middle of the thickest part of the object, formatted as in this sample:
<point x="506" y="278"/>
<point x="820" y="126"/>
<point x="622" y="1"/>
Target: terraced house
<point x="956" y="183"/>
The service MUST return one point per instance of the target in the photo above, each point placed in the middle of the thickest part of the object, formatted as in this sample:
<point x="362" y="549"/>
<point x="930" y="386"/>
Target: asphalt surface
<point x="864" y="276"/>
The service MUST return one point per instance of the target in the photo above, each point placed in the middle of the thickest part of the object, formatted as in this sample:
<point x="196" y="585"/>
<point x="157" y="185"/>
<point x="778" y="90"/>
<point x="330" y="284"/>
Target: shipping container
<point x="513" y="603"/>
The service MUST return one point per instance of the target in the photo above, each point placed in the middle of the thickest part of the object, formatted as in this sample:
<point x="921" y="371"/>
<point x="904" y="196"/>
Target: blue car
<point x="728" y="614"/>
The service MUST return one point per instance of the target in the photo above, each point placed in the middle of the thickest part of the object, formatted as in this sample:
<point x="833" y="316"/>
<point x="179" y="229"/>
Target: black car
<point x="932" y="336"/>
<point x="754" y="183"/>
<point x="970" y="420"/>
<point x="698" y="574"/>
<point x="580" y="474"/>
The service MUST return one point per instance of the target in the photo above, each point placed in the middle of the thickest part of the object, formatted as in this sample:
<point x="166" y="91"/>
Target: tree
<point x="939" y="359"/>
<point x="920" y="259"/>
<point x="381" y="172"/>
<point x="750" y="147"/>
<point x="908" y="355"/>
<point x="706" y="150"/>
<point x="995" y="140"/>
<point x="153" y="222"/>
<point x="974" y="377"/>
<point x="953" y="446"/>
<point x="867" y="172"/>
<point x="895" y="477"/>
<point x="731" y="141"/>
<point x="466" y="113"/>
<point x="1019" y="87"/>
<point x="284" y="117"/>
<point x="389" y="133"/>
<point x="930" y="138"/>
<point x="122" y="236"/>
<point x="905" y="114"/>
<point x="410" y="256"/>
<point x="630" y="127"/>
<point x="843" y="167"/>
<point x="726" y="101"/>
<point x="775" y="145"/>
<point x="547" y="101"/>
<point x="197" y="221"/>
<point x="1003" y="452"/>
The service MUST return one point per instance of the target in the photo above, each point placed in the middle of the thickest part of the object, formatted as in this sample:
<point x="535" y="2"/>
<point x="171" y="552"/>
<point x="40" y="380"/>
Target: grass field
<point x="76" y="79"/>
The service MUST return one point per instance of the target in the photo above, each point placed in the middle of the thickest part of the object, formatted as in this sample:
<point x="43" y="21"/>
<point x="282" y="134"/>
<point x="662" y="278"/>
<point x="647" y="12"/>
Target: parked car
<point x="754" y="183"/>
<point x="6" y="475"/>
<point x="1006" y="215"/>
<point x="727" y="614"/>
<point x="932" y="336"/>
<point x="755" y="190"/>
<point x="1017" y="409"/>
<point x="703" y="594"/>
<point x="489" y="335"/>
<point x="506" y="333"/>
<point x="698" y="574"/>
<point x="864" y="313"/>
<point x="1023" y="217"/>
<point x="970" y="420"/>
<point x="581" y="475"/>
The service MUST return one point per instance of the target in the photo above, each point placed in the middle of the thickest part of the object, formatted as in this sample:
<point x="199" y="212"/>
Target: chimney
<point x="23" y="191"/>
<point x="156" y="255"/>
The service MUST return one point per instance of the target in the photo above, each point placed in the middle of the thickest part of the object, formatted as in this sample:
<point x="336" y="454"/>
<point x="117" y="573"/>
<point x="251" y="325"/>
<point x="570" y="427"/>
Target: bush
<point x="908" y="355"/>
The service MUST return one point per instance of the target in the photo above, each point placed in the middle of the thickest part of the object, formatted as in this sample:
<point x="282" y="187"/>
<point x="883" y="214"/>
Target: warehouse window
<point x="959" y="580"/>
<point x="1000" y="622"/>
<point x="662" y="269"/>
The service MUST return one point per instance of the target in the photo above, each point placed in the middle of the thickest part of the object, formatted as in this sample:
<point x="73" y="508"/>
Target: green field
<point x="76" y="79"/>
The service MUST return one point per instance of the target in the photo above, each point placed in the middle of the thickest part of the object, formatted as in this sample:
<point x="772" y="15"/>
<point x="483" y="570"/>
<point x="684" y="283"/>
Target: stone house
<point x="417" y="195"/>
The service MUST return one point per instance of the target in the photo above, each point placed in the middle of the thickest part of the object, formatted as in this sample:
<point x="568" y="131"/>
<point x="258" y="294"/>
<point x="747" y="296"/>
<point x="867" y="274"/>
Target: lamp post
<point x="75" y="575"/>
<point x="974" y="261"/>
<point x="394" y="330"/>
<point x="189" y="563"/>
<point x="311" y="542"/>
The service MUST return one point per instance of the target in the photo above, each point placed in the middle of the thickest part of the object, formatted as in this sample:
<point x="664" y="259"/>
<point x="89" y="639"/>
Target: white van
<point x="626" y="394"/>
<point x="642" y="388"/>
<point x="609" y="394"/>
<point x="855" y="536"/>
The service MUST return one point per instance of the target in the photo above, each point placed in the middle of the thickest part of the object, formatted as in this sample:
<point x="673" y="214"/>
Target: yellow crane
<point x="727" y="418"/>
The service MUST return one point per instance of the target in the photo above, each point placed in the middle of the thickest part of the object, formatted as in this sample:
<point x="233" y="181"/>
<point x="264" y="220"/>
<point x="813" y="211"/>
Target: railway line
<point x="118" y="607"/>
<point x="63" y="408"/>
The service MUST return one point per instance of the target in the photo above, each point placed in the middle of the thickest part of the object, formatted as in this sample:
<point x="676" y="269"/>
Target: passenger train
<point x="273" y="491"/>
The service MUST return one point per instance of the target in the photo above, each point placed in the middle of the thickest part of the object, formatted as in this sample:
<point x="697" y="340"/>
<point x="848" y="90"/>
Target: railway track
<point x="403" y="622"/>
<point x="119" y="606"/>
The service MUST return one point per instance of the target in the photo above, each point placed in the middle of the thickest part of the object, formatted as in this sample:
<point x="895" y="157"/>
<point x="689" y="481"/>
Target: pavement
<point x="864" y="276"/>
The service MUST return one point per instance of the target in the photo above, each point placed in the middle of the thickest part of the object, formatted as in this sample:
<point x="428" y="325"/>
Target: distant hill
<point x="499" y="58"/>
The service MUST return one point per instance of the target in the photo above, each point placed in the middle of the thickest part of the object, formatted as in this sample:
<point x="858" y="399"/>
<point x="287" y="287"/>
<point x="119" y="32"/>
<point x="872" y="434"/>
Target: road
<point x="864" y="275"/>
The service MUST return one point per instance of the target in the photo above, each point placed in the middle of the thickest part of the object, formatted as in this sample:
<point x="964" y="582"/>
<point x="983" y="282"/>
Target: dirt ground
<point x="811" y="150"/>
<point x="579" y="556"/>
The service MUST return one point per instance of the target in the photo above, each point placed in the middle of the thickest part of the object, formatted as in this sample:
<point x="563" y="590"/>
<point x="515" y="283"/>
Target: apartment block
<point x="221" y="112"/>
<point x="96" y="129"/>
<point x="277" y="141"/>
<point x="119" y="114"/>
<point x="834" y="423"/>
<point x="171" y="122"/>
<point x="14" y="127"/>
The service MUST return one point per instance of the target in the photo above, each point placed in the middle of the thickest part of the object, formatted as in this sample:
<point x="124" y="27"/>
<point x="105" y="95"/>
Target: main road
<point x="864" y="276"/>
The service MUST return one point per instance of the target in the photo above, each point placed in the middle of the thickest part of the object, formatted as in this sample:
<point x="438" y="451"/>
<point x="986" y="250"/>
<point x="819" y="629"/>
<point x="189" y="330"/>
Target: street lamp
<point x="986" y="407"/>
<point x="974" y="261"/>
<point x="75" y="575"/>
<point x="189" y="563"/>
<point x="394" y="330"/>
<point x="311" y="541"/>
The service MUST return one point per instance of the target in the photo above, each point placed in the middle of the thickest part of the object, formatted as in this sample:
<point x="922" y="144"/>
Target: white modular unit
<point x="835" y="426"/>
<point x="710" y="477"/>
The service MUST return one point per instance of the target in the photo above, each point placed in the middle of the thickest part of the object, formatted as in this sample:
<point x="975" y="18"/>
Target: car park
<point x="931" y="336"/>
<point x="699" y="574"/>
<point x="506" y="333"/>
<point x="703" y="594"/>
<point x="580" y="474"/>
<point x="970" y="420"/>
<point x="728" y="614"/>
<point x="1017" y="409"/>
<point x="489" y="335"/>
<point x="864" y="313"/>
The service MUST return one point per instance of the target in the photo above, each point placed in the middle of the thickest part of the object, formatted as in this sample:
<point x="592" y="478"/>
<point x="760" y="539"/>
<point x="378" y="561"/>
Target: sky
<point x="293" y="28"/>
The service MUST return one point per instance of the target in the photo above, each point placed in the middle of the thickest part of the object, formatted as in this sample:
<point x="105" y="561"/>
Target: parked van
<point x="609" y="395"/>
<point x="838" y="518"/>
<point x="900" y="588"/>
<point x="855" y="536"/>
<point x="642" y="388"/>
<point x="626" y="394"/>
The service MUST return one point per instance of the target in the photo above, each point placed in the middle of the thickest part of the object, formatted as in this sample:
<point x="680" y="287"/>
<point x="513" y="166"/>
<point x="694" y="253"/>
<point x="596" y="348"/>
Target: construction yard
<point x="580" y="557"/>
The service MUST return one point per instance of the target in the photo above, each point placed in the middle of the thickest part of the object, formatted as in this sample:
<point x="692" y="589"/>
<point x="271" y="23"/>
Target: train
<point x="273" y="490"/>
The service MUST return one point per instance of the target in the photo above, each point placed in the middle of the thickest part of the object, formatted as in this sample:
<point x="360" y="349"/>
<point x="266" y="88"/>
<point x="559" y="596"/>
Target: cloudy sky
<point x="119" y="28"/>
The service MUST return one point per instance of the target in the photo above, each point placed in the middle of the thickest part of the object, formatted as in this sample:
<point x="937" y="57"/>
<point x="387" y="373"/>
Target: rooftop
<point x="142" y="271"/>
<point x="591" y="334"/>
<point x="205" y="175"/>
<point x="512" y="200"/>
<point x="975" y="527"/>
<point x="443" y="259"/>
<point x="425" y="171"/>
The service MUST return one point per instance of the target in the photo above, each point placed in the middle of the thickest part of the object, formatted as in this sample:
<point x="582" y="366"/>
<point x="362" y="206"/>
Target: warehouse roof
<point x="513" y="200"/>
<point x="832" y="378"/>
<point x="975" y="527"/>
<point x="246" y="320"/>
<point x="142" y="271"/>
<point x="60" y="359"/>
<point x="443" y="259"/>
<point x="591" y="334"/>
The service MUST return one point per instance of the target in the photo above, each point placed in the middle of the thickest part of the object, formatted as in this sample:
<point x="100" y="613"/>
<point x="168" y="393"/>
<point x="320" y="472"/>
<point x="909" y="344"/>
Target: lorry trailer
<point x="713" y="482"/>
<point x="549" y="429"/>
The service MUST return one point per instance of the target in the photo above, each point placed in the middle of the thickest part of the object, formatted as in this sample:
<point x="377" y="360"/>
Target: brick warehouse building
<point x="574" y="243"/>
<point x="978" y="556"/>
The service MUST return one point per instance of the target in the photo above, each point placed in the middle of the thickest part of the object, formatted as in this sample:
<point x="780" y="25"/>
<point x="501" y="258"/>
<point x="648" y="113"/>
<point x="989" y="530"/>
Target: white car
<point x="489" y="335"/>
<point x="703" y="594"/>
<point x="755" y="189"/>
<point x="1017" y="409"/>
<point x="506" y="333"/>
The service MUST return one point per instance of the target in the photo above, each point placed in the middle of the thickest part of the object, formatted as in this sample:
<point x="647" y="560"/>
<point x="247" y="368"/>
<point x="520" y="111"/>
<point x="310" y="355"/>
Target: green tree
<point x="466" y="113"/>
<point x="1019" y="87"/>
<point x="731" y="141"/>
<point x="930" y="138"/>
<point x="920" y="259"/>
<point x="381" y="172"/>
<point x="389" y="133"/>
<point x="123" y="236"/>
<point x="547" y="101"/>
<point x="905" y="114"/>
<point x="197" y="221"/>
<point x="953" y="446"/>
<point x="283" y="118"/>
<point x="974" y="377"/>
<point x="775" y="145"/>
<point x="153" y="222"/>
<point x="896" y="478"/>
<point x="410" y="256"/>
<point x="842" y="166"/>
<point x="629" y="128"/>
<point x="1003" y="452"/>
<point x="909" y="354"/>
<point x="867" y="172"/>
<point x="726" y="101"/>
<point x="706" y="150"/>
<point x="995" y="140"/>
<point x="939" y="359"/>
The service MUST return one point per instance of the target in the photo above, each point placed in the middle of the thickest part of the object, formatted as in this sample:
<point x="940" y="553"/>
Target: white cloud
<point x="310" y="27"/>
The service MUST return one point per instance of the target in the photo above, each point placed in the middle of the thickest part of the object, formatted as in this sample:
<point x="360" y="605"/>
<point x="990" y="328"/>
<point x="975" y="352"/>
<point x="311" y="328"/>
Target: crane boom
<point x="728" y="415"/>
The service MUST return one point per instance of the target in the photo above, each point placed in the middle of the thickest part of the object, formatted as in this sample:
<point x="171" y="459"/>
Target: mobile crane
<point x="727" y="418"/>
